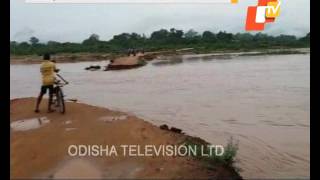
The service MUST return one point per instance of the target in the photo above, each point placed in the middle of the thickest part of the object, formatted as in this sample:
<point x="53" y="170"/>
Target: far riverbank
<point x="94" y="57"/>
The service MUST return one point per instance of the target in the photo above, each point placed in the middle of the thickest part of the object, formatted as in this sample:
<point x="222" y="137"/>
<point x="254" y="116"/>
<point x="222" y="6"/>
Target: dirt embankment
<point x="39" y="149"/>
<point x="127" y="62"/>
<point x="62" y="58"/>
<point x="80" y="57"/>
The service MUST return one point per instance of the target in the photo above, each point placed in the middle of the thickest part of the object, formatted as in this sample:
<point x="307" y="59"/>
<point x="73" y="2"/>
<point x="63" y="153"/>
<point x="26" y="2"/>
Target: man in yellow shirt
<point x="47" y="70"/>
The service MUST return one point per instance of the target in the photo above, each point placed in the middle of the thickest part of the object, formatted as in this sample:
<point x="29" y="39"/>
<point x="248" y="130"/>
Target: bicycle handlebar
<point x="65" y="81"/>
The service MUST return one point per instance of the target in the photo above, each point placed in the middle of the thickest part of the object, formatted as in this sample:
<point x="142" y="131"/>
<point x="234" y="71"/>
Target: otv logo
<point x="265" y="12"/>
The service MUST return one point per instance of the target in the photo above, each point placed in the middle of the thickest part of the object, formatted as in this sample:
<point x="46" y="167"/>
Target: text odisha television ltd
<point x="146" y="150"/>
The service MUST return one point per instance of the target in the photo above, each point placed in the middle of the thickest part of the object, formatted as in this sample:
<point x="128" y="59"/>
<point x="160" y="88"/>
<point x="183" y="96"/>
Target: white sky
<point x="75" y="22"/>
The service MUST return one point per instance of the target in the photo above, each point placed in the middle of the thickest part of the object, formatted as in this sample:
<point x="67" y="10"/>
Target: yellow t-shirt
<point x="47" y="70"/>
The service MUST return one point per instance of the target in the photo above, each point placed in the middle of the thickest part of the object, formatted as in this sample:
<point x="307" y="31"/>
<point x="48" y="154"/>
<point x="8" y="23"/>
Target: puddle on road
<point x="87" y="169"/>
<point x="68" y="122"/>
<point x="112" y="118"/>
<point x="123" y="170"/>
<point x="70" y="129"/>
<point x="29" y="124"/>
<point x="77" y="168"/>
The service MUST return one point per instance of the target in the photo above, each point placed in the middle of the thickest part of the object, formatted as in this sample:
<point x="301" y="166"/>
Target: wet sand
<point x="41" y="151"/>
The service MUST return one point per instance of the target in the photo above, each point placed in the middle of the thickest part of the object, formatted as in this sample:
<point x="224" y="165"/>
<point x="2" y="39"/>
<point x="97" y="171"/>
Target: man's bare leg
<point x="38" y="102"/>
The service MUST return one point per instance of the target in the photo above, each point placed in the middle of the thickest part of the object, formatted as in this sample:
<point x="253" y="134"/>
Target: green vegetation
<point x="227" y="159"/>
<point x="142" y="62"/>
<point x="163" y="40"/>
<point x="214" y="162"/>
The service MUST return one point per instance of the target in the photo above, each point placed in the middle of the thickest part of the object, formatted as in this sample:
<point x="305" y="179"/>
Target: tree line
<point x="163" y="39"/>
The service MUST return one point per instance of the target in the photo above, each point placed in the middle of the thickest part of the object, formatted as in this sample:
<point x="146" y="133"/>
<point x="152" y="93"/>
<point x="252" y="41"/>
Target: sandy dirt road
<point x="40" y="150"/>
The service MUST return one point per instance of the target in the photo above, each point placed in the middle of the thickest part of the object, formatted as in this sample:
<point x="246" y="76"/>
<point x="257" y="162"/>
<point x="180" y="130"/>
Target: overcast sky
<point x="75" y="22"/>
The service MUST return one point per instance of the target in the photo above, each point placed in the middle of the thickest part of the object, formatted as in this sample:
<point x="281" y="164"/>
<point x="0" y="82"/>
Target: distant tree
<point x="161" y="34"/>
<point x="121" y="37"/>
<point x="261" y="37"/>
<point x="14" y="43"/>
<point x="124" y="40"/>
<point x="33" y="40"/>
<point x="224" y="36"/>
<point x="53" y="43"/>
<point x="286" y="39"/>
<point x="13" y="46"/>
<point x="191" y="34"/>
<point x="144" y="36"/>
<point x="175" y="33"/>
<point x="93" y="39"/>
<point x="174" y="36"/>
<point x="306" y="38"/>
<point x="53" y="47"/>
<point x="24" y="44"/>
<point x="308" y="35"/>
<point x="208" y="36"/>
<point x="244" y="37"/>
<point x="134" y="36"/>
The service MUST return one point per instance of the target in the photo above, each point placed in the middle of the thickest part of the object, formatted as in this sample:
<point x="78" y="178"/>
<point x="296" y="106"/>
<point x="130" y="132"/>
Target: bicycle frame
<point x="58" y="93"/>
<point x="58" y="84"/>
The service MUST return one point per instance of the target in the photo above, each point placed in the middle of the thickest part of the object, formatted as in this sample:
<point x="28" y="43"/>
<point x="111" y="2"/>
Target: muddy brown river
<point x="263" y="102"/>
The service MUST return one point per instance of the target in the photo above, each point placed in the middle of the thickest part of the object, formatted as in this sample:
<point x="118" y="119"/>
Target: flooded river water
<point x="261" y="101"/>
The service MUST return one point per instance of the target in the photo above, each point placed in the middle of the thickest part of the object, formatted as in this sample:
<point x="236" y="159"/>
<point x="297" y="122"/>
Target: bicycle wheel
<point x="55" y="101"/>
<point x="60" y="99"/>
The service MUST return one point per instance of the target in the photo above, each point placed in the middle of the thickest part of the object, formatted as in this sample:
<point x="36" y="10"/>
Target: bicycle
<point x="58" y="96"/>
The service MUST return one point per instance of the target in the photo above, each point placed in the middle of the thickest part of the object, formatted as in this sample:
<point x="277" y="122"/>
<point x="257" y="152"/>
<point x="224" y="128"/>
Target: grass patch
<point x="142" y="62"/>
<point x="211" y="159"/>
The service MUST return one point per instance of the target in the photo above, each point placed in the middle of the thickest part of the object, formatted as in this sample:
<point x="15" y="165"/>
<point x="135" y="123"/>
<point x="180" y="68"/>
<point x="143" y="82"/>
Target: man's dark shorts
<point x="44" y="89"/>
